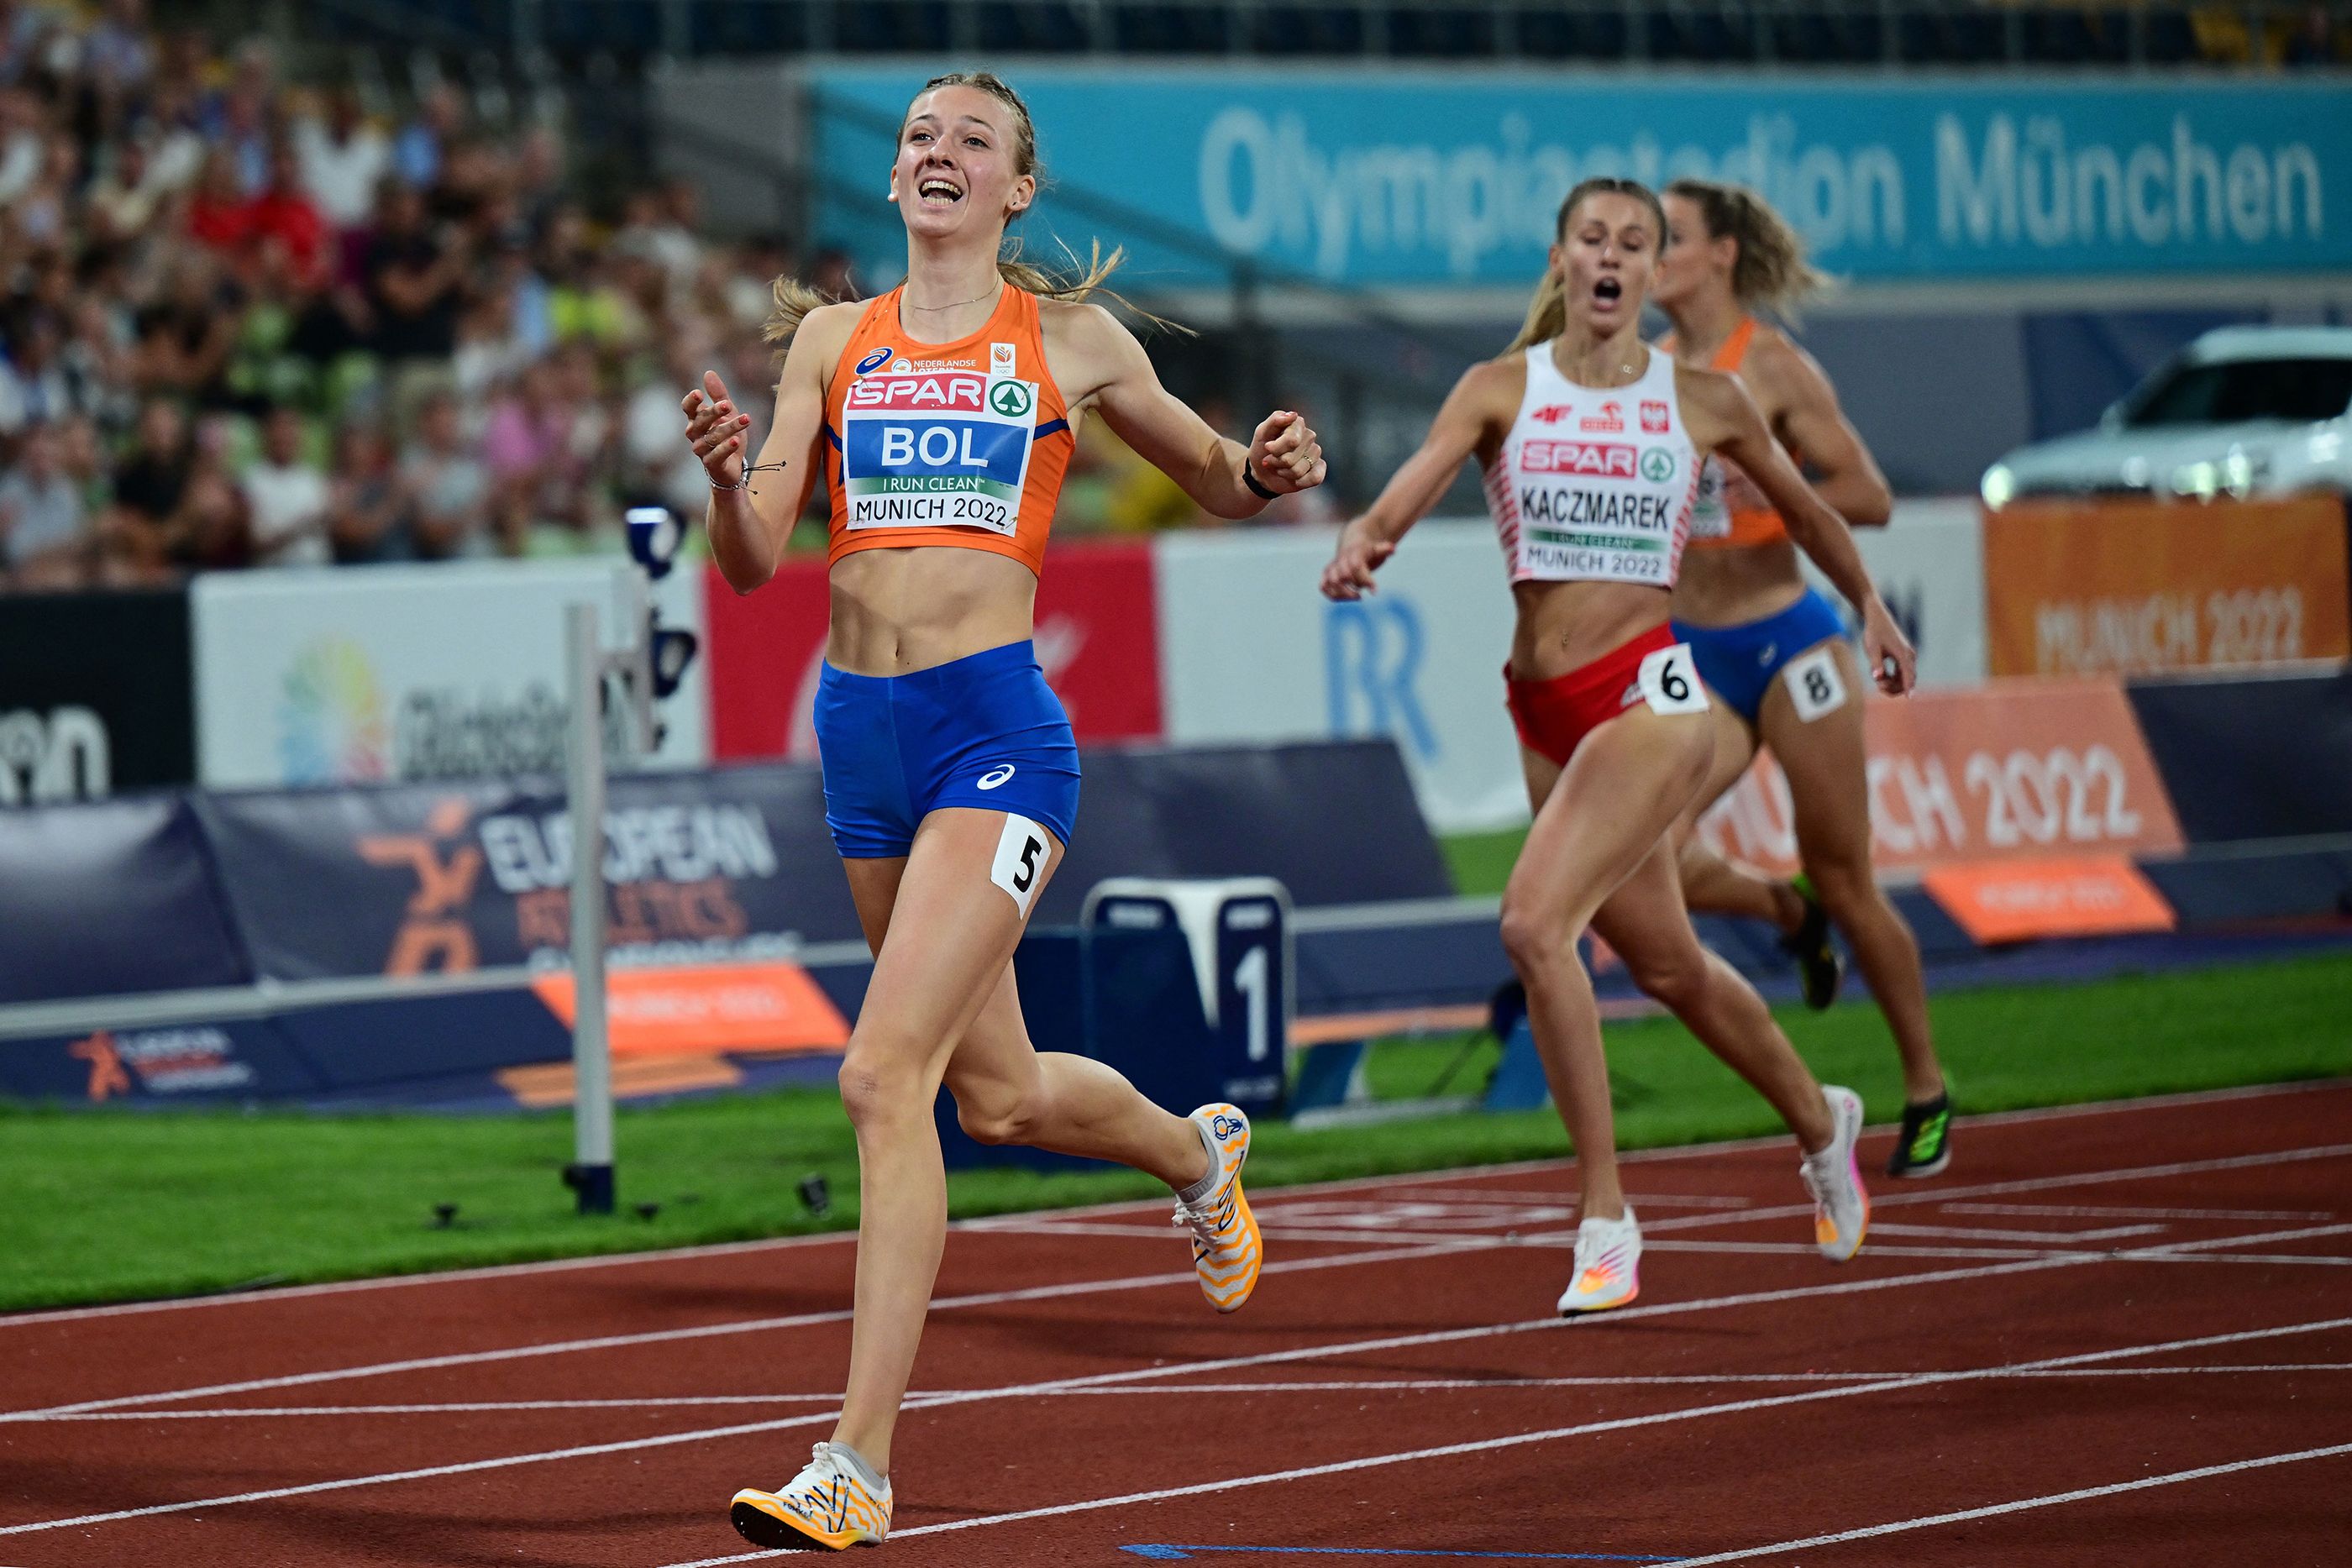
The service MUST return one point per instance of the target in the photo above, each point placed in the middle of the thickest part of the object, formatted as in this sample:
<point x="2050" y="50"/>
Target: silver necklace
<point x="975" y="300"/>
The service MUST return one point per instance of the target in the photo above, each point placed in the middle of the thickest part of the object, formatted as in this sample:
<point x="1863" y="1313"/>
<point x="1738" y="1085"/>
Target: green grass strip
<point x="116" y="1204"/>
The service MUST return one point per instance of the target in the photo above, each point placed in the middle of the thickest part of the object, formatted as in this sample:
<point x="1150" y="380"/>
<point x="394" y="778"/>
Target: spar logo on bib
<point x="1657" y="464"/>
<point x="1598" y="459"/>
<point x="937" y="449"/>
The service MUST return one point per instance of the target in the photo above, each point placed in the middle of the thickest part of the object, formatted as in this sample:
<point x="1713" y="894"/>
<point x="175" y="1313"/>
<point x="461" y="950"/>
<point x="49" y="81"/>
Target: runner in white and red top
<point x="1591" y="447"/>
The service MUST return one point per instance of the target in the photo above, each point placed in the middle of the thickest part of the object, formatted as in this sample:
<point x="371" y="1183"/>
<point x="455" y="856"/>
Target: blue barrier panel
<point x="376" y="1045"/>
<point x="107" y="899"/>
<point x="1406" y="177"/>
<point x="1128" y="998"/>
<point x="247" y="1059"/>
<point x="1334" y="821"/>
<point x="731" y="862"/>
<point x="2264" y="757"/>
<point x="736" y="862"/>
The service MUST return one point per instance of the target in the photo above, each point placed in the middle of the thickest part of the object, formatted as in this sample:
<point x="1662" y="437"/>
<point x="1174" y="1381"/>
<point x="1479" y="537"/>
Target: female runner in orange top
<point x="1591" y="444"/>
<point x="942" y="416"/>
<point x="1775" y="651"/>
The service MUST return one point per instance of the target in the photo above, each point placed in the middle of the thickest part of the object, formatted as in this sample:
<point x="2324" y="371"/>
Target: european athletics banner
<point x="1401" y="177"/>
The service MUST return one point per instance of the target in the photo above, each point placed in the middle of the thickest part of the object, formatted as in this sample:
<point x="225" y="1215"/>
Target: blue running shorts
<point x="984" y="731"/>
<point x="1738" y="662"/>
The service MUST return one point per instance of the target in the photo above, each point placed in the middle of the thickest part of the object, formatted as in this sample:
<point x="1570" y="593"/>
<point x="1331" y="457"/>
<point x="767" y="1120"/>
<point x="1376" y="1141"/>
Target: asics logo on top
<point x="1764" y="656"/>
<point x="995" y="777"/>
<point x="874" y="362"/>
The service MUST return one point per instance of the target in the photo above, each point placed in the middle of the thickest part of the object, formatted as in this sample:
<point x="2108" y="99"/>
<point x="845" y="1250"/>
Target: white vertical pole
<point x="590" y="1175"/>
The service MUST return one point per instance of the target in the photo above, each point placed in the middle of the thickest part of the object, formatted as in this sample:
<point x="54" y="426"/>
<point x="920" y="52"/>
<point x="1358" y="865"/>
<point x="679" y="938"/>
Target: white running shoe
<point x="1227" y="1251"/>
<point x="826" y="1507"/>
<point x="1608" y="1265"/>
<point x="1841" y="1204"/>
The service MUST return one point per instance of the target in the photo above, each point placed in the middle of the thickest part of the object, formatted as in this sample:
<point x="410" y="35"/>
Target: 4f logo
<point x="63" y="756"/>
<point x="433" y="935"/>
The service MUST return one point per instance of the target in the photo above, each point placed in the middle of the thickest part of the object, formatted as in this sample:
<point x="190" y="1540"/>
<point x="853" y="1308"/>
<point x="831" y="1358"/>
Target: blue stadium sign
<point x="1424" y="178"/>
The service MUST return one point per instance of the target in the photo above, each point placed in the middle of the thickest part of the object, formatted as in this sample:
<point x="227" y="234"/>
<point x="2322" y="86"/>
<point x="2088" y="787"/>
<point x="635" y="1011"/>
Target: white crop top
<point x="1594" y="483"/>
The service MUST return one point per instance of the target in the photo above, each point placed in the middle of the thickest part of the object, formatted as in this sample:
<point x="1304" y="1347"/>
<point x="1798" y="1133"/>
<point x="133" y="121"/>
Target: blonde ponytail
<point x="793" y="300"/>
<point x="789" y="303"/>
<point x="1547" y="314"/>
<point x="1548" y="311"/>
<point x="1771" y="272"/>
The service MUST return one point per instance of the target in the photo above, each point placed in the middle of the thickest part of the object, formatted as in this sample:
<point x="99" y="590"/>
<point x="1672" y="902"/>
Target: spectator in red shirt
<point x="284" y="212"/>
<point x="219" y="215"/>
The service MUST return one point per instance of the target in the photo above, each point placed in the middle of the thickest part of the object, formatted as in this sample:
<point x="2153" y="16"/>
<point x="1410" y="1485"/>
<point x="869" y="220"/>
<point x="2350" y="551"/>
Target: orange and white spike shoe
<point x="1608" y="1265"/>
<point x="827" y="1507"/>
<point x="1834" y="1175"/>
<point x="1226" y="1247"/>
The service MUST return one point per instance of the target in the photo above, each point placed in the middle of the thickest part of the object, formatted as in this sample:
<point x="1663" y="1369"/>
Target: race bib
<point x="938" y="448"/>
<point x="1815" y="685"/>
<point x="1022" y="851"/>
<point x="1670" y="682"/>
<point x="1710" y="514"/>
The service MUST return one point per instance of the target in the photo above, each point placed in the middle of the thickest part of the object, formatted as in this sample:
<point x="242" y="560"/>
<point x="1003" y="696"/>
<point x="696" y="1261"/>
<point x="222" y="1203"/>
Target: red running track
<point x="2116" y="1335"/>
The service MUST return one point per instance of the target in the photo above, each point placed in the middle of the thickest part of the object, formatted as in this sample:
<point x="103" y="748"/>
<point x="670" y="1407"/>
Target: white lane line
<point x="475" y="1406"/>
<point x="1138" y="1374"/>
<point x="2092" y="1211"/>
<point x="1802" y="1249"/>
<point x="2134" y="1254"/>
<point x="1489" y="1445"/>
<point x="1563" y="1198"/>
<point x="1367" y="1386"/>
<point x="1898" y="1249"/>
<point x="1017" y="1391"/>
<point x="1475" y="1172"/>
<point x="2025" y="1184"/>
<point x="1353" y="1235"/>
<point x="992" y="1298"/>
<point x="1984" y="1233"/>
<point x="1993" y="1510"/>
<point x="2304" y="1259"/>
<point x="708" y="1330"/>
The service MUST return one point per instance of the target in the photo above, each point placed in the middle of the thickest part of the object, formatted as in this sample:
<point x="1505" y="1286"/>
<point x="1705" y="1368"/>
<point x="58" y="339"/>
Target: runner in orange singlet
<point x="1776" y="650"/>
<point x="941" y="417"/>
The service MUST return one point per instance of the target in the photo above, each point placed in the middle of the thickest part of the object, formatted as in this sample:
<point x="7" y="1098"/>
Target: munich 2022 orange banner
<point x="2128" y="587"/>
<point x="748" y="1008"/>
<point x="2005" y="771"/>
<point x="2014" y="901"/>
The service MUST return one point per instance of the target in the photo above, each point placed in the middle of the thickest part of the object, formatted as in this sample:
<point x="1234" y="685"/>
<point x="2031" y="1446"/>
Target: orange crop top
<point x="1752" y="521"/>
<point x="961" y="444"/>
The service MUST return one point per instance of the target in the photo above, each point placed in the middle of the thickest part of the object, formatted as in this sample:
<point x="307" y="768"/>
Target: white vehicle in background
<point x="2243" y="411"/>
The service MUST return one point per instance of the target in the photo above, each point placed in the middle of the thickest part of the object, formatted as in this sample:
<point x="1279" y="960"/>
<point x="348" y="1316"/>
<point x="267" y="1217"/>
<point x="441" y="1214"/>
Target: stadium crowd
<point x="244" y="325"/>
